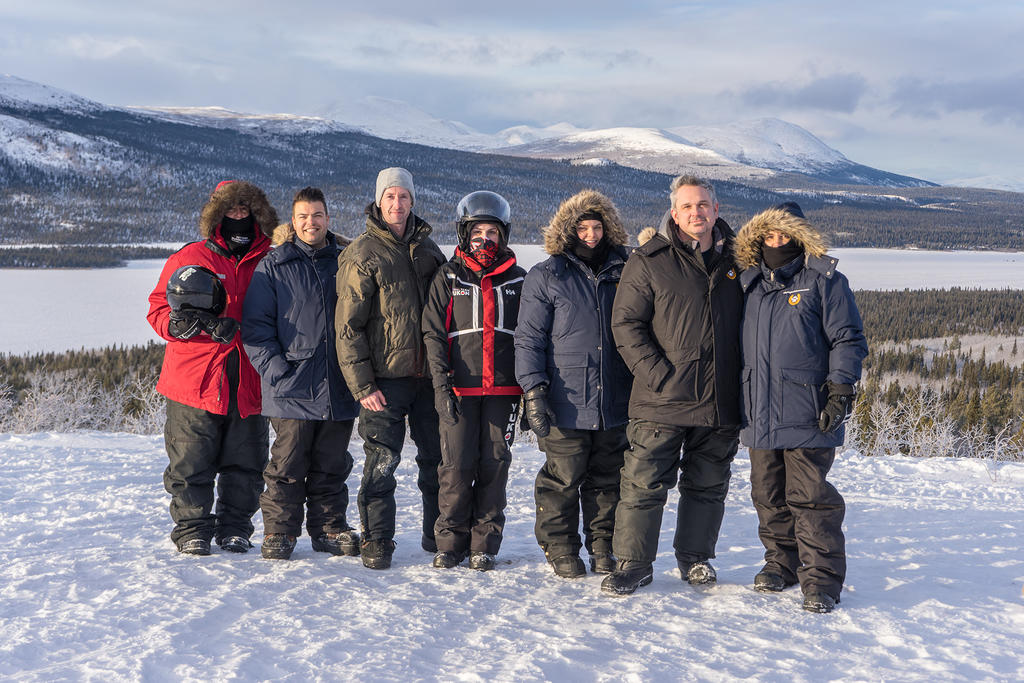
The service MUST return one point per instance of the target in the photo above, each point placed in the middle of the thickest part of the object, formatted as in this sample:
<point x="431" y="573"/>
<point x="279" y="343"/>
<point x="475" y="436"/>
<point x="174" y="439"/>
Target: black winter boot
<point x="483" y="562"/>
<point x="446" y="559"/>
<point x="277" y="546"/>
<point x="568" y="566"/>
<point x="822" y="603"/>
<point x="343" y="543"/>
<point x="603" y="563"/>
<point x="771" y="580"/>
<point x="377" y="554"/>
<point x="235" y="544"/>
<point x="630" y="575"/>
<point x="699" y="573"/>
<point x="194" y="546"/>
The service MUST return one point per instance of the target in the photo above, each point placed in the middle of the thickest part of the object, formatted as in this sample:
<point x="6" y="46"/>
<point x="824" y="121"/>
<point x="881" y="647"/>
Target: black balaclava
<point x="776" y="257"/>
<point x="594" y="257"/>
<point x="238" y="233"/>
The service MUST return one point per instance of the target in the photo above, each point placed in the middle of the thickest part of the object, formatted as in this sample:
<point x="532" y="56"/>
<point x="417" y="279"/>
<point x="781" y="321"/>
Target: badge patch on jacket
<point x="731" y="274"/>
<point x="794" y="299"/>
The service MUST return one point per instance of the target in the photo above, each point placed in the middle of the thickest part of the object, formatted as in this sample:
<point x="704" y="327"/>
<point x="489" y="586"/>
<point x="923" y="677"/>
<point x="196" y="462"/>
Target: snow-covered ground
<point x="92" y="589"/>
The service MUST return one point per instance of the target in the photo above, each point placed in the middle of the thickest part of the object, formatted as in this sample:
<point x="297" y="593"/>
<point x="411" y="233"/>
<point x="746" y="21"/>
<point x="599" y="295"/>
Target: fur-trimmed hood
<point x="237" y="192"/>
<point x="559" y="233"/>
<point x="286" y="233"/>
<point x="751" y="236"/>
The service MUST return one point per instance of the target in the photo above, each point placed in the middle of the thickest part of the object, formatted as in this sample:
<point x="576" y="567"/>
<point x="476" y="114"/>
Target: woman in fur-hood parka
<point x="803" y="343"/>
<point x="566" y="358"/>
<point x="560" y="234"/>
<point x="751" y="236"/>
<point x="230" y="193"/>
<point x="801" y="328"/>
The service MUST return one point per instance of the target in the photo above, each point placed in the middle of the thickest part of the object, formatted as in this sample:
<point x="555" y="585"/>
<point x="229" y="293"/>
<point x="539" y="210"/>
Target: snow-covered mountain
<point x="40" y="146"/>
<point x="650" y="149"/>
<point x="397" y="120"/>
<point x="219" y="117"/>
<point x="992" y="182"/>
<point x="18" y="92"/>
<point x="742" y="151"/>
<point x="745" y="150"/>
<point x="765" y="143"/>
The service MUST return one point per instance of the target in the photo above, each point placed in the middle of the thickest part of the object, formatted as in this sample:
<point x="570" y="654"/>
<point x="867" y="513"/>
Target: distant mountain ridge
<point x="73" y="171"/>
<point x="743" y="151"/>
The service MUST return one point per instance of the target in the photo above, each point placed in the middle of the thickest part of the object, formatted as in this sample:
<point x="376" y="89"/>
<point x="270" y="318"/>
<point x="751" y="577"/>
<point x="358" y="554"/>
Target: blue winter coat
<point x="564" y="340"/>
<point x="288" y="333"/>
<point x="801" y="328"/>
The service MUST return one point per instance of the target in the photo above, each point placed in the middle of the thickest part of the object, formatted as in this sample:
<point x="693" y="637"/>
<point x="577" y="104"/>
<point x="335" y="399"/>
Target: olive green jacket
<point x="382" y="285"/>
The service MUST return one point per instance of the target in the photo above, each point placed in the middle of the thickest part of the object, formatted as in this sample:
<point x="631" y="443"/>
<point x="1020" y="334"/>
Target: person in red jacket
<point x="214" y="430"/>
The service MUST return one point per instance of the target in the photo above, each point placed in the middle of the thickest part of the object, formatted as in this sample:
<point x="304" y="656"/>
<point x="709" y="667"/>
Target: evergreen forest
<point x="924" y="392"/>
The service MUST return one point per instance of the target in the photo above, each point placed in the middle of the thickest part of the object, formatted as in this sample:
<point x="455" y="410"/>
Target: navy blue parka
<point x="801" y="329"/>
<point x="564" y="336"/>
<point x="288" y="331"/>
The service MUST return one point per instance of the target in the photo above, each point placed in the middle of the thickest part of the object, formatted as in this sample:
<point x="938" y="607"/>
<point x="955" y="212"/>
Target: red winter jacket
<point x="194" y="369"/>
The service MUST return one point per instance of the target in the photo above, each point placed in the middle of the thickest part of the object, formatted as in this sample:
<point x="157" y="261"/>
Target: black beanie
<point x="792" y="208"/>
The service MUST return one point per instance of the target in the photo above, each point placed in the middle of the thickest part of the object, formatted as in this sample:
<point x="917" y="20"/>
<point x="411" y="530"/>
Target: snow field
<point x="92" y="588"/>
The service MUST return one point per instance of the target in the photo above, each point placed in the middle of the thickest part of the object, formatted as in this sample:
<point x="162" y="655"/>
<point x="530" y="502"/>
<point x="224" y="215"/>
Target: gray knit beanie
<point x="395" y="177"/>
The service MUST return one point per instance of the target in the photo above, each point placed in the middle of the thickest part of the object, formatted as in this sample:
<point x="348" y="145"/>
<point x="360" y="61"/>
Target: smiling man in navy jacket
<point x="288" y="332"/>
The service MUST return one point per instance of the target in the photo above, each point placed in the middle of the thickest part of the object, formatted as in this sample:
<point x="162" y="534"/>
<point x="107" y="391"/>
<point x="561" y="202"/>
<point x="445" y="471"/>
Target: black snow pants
<point x="202" y="448"/>
<point x="309" y="466"/>
<point x="474" y="473"/>
<point x="383" y="434"/>
<point x="651" y="467"/>
<point x="582" y="469"/>
<point x="800" y="516"/>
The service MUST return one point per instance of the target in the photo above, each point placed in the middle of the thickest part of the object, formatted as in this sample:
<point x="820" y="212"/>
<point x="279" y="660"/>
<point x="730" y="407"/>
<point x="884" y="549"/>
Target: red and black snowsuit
<point x="213" y="425"/>
<point x="468" y="326"/>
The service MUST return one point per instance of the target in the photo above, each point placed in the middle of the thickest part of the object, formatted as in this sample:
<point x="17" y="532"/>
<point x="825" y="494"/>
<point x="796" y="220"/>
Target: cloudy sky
<point x="930" y="89"/>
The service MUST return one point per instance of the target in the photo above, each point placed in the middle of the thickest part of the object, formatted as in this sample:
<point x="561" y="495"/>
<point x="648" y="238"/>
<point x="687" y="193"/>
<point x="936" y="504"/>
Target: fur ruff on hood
<point x="286" y="233"/>
<point x="230" y="194"/>
<point x="751" y="236"/>
<point x="559" y="233"/>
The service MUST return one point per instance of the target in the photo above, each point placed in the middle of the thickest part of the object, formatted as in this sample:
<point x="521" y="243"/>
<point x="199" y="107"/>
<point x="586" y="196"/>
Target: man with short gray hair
<point x="676" y="323"/>
<point x="383" y="278"/>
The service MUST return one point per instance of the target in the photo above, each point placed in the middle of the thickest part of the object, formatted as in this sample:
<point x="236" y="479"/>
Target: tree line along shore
<point x="925" y="391"/>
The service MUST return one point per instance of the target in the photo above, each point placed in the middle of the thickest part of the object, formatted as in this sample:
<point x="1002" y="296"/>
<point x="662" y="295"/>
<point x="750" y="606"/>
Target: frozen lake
<point x="56" y="310"/>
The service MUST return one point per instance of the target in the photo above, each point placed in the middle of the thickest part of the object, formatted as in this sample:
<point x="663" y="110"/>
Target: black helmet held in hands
<point x="197" y="288"/>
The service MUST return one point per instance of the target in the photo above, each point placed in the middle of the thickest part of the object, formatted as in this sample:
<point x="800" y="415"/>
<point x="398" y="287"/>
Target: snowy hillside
<point x="650" y="149"/>
<point x="39" y="146"/>
<point x="18" y="92"/>
<point x="1005" y="183"/>
<point x="768" y="143"/>
<point x="93" y="589"/>
<point x="219" y="117"/>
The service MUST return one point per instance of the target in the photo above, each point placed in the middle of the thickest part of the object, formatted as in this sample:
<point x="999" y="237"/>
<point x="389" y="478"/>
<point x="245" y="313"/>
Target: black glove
<point x="222" y="330"/>
<point x="838" y="407"/>
<point x="447" y="405"/>
<point x="537" y="410"/>
<point x="184" y="324"/>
